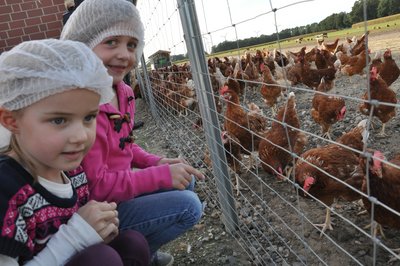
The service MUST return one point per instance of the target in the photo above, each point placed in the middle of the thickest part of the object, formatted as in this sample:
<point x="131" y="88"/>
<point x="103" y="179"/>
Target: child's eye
<point x="58" y="121"/>
<point x="111" y="42"/>
<point x="90" y="118"/>
<point x="132" y="45"/>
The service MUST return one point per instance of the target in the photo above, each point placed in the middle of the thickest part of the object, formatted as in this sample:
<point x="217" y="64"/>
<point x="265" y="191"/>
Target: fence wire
<point x="270" y="212"/>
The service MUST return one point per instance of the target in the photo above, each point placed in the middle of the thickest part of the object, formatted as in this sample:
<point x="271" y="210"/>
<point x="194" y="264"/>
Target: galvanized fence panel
<point x="269" y="218"/>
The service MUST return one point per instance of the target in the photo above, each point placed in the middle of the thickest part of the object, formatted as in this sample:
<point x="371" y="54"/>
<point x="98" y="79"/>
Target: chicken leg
<point x="377" y="230"/>
<point x="287" y="171"/>
<point x="327" y="134"/>
<point x="396" y="257"/>
<point x="328" y="224"/>
<point x="274" y="110"/>
<point x="382" y="133"/>
<point x="253" y="163"/>
<point x="237" y="184"/>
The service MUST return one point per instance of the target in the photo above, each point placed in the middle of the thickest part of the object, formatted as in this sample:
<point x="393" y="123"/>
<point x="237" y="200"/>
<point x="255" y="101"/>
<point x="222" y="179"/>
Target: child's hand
<point x="182" y="175"/>
<point x="103" y="217"/>
<point x="171" y="161"/>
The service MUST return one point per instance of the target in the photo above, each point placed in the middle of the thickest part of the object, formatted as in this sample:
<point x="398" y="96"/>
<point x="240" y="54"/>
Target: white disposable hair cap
<point x="34" y="70"/>
<point x="95" y="20"/>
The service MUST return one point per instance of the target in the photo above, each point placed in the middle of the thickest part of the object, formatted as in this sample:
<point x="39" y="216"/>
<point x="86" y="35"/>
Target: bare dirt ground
<point x="209" y="244"/>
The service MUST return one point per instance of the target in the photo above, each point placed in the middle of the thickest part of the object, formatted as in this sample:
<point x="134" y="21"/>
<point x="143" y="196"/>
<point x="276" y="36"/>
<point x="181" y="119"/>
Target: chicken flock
<point x="342" y="169"/>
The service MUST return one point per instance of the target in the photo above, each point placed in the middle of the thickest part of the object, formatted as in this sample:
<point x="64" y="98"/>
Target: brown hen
<point x="232" y="153"/>
<point x="337" y="161"/>
<point x="389" y="70"/>
<point x="384" y="185"/>
<point x="330" y="47"/>
<point x="327" y="110"/>
<point x="245" y="126"/>
<point x="270" y="89"/>
<point x="355" y="64"/>
<point x="312" y="77"/>
<point x="274" y="147"/>
<point x="381" y="92"/>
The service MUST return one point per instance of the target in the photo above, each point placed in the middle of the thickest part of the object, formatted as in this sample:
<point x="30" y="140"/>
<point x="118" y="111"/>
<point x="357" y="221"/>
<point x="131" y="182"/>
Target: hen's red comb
<point x="223" y="89"/>
<point x="380" y="156"/>
<point x="308" y="182"/>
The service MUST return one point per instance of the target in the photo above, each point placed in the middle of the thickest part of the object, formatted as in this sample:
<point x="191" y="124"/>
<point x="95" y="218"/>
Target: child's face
<point x="118" y="55"/>
<point x="56" y="132"/>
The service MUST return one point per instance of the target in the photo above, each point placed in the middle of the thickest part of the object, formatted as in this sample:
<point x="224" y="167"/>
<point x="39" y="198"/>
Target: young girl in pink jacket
<point x="156" y="200"/>
<point x="50" y="92"/>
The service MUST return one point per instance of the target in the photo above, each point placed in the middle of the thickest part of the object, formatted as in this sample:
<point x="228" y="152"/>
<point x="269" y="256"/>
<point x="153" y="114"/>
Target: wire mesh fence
<point x="286" y="136"/>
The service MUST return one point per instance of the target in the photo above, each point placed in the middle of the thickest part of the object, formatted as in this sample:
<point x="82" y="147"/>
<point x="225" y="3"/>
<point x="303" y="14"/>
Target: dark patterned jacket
<point x="29" y="214"/>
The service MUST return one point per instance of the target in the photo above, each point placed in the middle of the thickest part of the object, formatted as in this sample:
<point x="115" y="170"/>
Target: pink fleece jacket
<point x="108" y="166"/>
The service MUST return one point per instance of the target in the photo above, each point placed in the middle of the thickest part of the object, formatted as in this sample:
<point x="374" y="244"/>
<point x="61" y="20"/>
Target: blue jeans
<point x="161" y="216"/>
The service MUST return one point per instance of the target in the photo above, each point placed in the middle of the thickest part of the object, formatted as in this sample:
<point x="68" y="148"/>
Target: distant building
<point x="160" y="59"/>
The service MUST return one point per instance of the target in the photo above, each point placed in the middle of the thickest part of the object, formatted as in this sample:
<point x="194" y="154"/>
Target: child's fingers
<point x="94" y="211"/>
<point x="115" y="221"/>
<point x="175" y="160"/>
<point x="182" y="185"/>
<point x="108" y="232"/>
<point x="106" y="206"/>
<point x="106" y="215"/>
<point x="106" y="211"/>
<point x="195" y="172"/>
<point x="186" y="181"/>
<point x="183" y="161"/>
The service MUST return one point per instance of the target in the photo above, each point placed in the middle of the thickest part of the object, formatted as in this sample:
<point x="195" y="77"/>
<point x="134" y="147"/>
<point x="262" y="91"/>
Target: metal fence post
<point x="199" y="68"/>
<point x="148" y="89"/>
<point x="140" y="81"/>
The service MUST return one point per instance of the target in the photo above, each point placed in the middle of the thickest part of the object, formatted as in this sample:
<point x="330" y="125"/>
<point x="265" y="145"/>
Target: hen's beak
<point x="378" y="172"/>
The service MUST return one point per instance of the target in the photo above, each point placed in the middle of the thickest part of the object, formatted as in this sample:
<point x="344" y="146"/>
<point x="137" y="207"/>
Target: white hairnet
<point x="34" y="70"/>
<point x="95" y="20"/>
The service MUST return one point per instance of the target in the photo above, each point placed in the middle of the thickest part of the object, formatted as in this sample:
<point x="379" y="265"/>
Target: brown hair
<point x="69" y="3"/>
<point x="14" y="147"/>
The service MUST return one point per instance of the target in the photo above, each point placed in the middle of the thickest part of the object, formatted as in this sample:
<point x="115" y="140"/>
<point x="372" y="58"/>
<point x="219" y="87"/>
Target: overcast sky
<point x="163" y="30"/>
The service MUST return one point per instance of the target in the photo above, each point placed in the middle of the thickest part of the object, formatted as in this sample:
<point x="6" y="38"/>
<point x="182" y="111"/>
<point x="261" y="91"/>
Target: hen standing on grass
<point x="327" y="110"/>
<point x="382" y="93"/>
<point x="275" y="160"/>
<point x="337" y="161"/>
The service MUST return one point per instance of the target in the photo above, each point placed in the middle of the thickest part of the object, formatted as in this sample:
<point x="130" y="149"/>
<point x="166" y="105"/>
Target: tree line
<point x="374" y="9"/>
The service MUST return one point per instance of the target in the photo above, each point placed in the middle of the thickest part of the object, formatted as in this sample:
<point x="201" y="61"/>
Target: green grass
<point x="389" y="20"/>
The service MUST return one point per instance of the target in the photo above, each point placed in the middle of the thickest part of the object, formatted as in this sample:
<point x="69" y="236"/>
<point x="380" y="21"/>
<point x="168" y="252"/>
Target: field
<point x="383" y="26"/>
<point x="376" y="28"/>
<point x="209" y="244"/>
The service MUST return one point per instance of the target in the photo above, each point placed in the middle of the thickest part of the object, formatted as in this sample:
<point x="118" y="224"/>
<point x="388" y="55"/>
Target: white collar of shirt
<point x="59" y="190"/>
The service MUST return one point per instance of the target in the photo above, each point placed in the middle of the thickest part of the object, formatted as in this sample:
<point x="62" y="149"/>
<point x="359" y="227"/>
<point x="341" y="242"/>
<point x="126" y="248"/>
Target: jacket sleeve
<point x="118" y="185"/>
<point x="70" y="239"/>
<point x="142" y="158"/>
